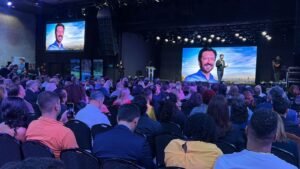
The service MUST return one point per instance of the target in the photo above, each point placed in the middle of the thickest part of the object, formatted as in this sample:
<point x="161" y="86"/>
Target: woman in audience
<point x="199" y="150"/>
<point x="150" y="110"/>
<point x="226" y="132"/>
<point x="170" y="111"/>
<point x="63" y="97"/>
<point x="13" y="113"/>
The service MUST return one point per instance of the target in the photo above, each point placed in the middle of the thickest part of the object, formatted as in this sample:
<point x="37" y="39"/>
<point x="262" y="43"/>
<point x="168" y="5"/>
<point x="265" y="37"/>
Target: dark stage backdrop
<point x="17" y="35"/>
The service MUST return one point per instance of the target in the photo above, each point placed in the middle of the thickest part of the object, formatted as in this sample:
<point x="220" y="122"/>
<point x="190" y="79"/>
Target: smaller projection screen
<point x="86" y="66"/>
<point x="65" y="36"/>
<point x="75" y="68"/>
<point x="98" y="68"/>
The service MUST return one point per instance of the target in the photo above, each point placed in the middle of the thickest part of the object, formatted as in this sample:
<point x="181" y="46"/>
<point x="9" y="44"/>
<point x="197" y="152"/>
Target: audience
<point x="261" y="132"/>
<point x="47" y="129"/>
<point x="199" y="150"/>
<point x="121" y="142"/>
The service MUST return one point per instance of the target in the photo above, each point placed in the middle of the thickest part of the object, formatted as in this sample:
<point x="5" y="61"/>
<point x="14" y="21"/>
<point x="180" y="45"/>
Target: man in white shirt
<point x="261" y="132"/>
<point x="91" y="114"/>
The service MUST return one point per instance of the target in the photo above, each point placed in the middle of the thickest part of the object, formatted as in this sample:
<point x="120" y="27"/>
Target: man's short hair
<point x="59" y="24"/>
<point x="280" y="105"/>
<point x="97" y="95"/>
<point x="238" y="111"/>
<point x="13" y="90"/>
<point x="264" y="124"/>
<point x="276" y="91"/>
<point x="128" y="112"/>
<point x="221" y="54"/>
<point x="47" y="100"/>
<point x="31" y="83"/>
<point x="204" y="50"/>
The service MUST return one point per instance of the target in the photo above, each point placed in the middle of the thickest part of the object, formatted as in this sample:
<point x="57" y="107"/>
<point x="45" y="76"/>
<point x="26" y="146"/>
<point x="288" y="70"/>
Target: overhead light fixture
<point x="212" y="35"/>
<point x="173" y="41"/>
<point x="240" y="37"/>
<point x="264" y="33"/>
<point x="192" y="41"/>
<point x="223" y="40"/>
<point x="178" y="37"/>
<point x="186" y="39"/>
<point x="9" y="3"/>
<point x="209" y="40"/>
<point x="204" y="39"/>
<point x="269" y="38"/>
<point x="236" y="34"/>
<point x="166" y="40"/>
<point x="157" y="38"/>
<point x="244" y="39"/>
<point x="218" y="38"/>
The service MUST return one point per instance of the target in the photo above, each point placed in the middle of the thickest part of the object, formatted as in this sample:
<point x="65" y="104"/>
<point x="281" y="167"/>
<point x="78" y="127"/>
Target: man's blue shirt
<point x="200" y="77"/>
<point x="55" y="46"/>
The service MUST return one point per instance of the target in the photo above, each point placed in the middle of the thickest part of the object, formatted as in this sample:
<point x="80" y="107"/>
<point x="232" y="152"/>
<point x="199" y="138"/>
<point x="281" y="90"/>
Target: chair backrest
<point x="82" y="133"/>
<point x="171" y="127"/>
<point x="36" y="149"/>
<point x="10" y="149"/>
<point x="161" y="142"/>
<point x="99" y="128"/>
<point x="116" y="163"/>
<point x="227" y="148"/>
<point x="79" y="159"/>
<point x="285" y="155"/>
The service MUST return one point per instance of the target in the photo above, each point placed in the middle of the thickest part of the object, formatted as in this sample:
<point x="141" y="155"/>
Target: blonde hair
<point x="280" y="132"/>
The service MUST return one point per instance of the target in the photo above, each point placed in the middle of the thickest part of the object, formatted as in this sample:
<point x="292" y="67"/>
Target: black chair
<point x="36" y="149"/>
<point x="99" y="128"/>
<point x="82" y="133"/>
<point x="171" y="127"/>
<point x="227" y="148"/>
<point x="161" y="142"/>
<point x="116" y="163"/>
<point x="285" y="155"/>
<point x="10" y="149"/>
<point x="79" y="159"/>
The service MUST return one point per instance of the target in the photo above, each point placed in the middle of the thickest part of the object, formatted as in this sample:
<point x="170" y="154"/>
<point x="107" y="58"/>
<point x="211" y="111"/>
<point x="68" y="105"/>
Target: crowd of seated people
<point x="139" y="110"/>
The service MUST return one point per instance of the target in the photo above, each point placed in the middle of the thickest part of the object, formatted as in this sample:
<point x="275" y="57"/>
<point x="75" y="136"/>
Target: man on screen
<point x="59" y="35"/>
<point x="206" y="59"/>
<point x="220" y="64"/>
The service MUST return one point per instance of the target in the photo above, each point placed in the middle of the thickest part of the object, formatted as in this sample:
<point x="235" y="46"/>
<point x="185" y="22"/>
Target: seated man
<point x="121" y="142"/>
<point x="91" y="114"/>
<point x="49" y="131"/>
<point x="261" y="132"/>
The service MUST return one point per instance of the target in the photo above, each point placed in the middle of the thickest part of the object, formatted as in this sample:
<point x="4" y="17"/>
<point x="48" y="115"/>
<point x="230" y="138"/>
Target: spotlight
<point x="223" y="40"/>
<point x="173" y="41"/>
<point x="209" y="40"/>
<point x="269" y="38"/>
<point x="218" y="38"/>
<point x="244" y="39"/>
<point x="157" y="38"/>
<point x="186" y="39"/>
<point x="264" y="33"/>
<point x="212" y="35"/>
<point x="178" y="37"/>
<point x="236" y="34"/>
<point x="198" y="36"/>
<point x="192" y="41"/>
<point x="204" y="39"/>
<point x="166" y="40"/>
<point x="9" y="3"/>
<point x="240" y="37"/>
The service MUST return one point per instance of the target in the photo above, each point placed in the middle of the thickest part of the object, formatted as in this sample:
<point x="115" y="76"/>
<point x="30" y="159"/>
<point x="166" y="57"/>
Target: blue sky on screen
<point x="73" y="35"/>
<point x="241" y="63"/>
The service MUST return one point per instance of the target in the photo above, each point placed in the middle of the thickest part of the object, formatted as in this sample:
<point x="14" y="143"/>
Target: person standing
<point x="220" y="64"/>
<point x="276" y="68"/>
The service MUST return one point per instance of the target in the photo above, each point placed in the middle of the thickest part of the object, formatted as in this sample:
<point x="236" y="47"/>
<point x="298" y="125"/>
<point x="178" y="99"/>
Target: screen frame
<point x="64" y="21"/>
